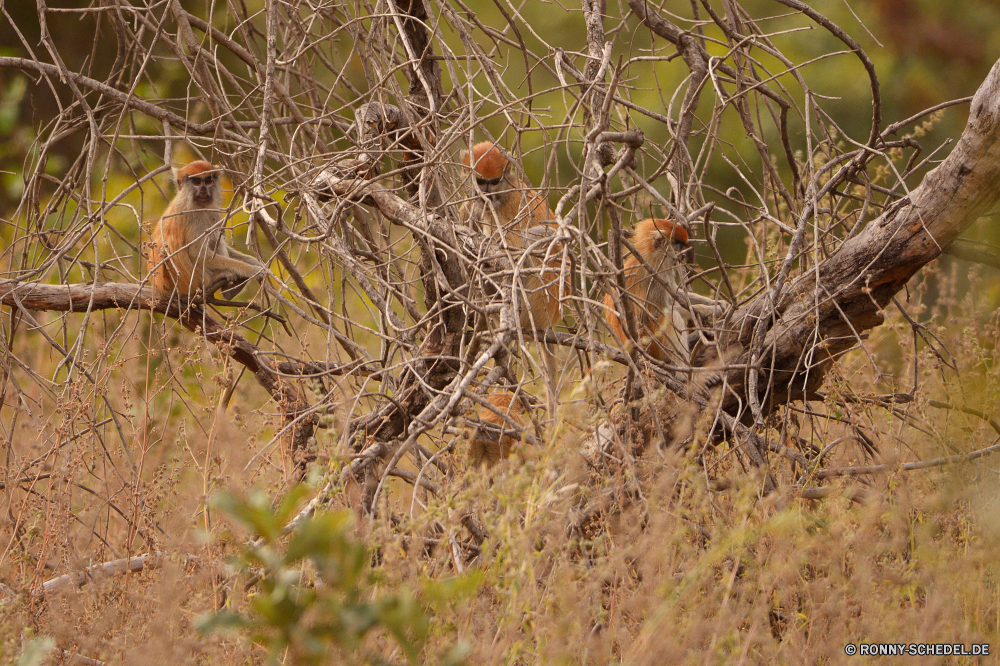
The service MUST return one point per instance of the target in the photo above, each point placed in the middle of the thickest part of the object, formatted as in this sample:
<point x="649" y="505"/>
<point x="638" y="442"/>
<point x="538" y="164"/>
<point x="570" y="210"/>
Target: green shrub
<point x="317" y="597"/>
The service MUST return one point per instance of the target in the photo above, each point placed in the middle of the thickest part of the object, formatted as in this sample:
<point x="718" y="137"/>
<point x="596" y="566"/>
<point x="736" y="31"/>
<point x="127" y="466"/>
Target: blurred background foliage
<point x="929" y="51"/>
<point x="925" y="53"/>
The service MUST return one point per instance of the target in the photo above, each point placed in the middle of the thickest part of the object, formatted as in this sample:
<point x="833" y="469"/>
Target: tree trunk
<point x="822" y="313"/>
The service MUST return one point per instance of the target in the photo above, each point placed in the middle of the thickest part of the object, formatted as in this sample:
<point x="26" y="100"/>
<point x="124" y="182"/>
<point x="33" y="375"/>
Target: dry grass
<point x="634" y="563"/>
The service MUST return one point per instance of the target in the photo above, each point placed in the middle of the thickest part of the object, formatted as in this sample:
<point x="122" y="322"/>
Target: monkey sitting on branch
<point x="516" y="218"/>
<point x="487" y="447"/>
<point x="519" y="219"/>
<point x="189" y="255"/>
<point x="661" y="321"/>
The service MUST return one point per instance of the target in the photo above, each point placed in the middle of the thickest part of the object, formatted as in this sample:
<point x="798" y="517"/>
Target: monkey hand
<point x="231" y="292"/>
<point x="228" y="282"/>
<point x="232" y="282"/>
<point x="258" y="272"/>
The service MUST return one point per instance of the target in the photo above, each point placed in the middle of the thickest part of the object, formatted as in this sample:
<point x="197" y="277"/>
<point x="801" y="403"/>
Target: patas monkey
<point x="487" y="447"/>
<point x="520" y="216"/>
<point x="661" y="322"/>
<point x="188" y="253"/>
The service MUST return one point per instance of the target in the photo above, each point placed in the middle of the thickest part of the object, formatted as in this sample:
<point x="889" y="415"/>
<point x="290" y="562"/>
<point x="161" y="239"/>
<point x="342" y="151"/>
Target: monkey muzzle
<point x="202" y="188"/>
<point x="662" y="240"/>
<point x="490" y="187"/>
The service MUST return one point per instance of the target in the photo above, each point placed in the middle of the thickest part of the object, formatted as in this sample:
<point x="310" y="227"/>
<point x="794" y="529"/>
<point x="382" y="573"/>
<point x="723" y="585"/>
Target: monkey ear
<point x="175" y="175"/>
<point x="465" y="158"/>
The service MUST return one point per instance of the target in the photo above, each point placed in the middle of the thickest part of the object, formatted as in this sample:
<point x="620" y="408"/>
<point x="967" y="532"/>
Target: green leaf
<point x="223" y="621"/>
<point x="312" y="615"/>
<point x="289" y="505"/>
<point x="320" y="537"/>
<point x="36" y="650"/>
<point x="254" y="513"/>
<point x="456" y="655"/>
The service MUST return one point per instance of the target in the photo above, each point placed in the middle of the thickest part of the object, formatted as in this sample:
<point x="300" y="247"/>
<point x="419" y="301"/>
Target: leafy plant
<point x="316" y="597"/>
<point x="36" y="651"/>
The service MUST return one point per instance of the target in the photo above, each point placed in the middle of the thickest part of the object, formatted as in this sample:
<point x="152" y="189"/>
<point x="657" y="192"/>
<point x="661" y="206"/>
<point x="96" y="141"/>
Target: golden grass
<point x="634" y="563"/>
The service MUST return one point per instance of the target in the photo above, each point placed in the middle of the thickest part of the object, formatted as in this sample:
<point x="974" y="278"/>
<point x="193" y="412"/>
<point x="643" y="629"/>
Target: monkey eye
<point x="486" y="182"/>
<point x="198" y="181"/>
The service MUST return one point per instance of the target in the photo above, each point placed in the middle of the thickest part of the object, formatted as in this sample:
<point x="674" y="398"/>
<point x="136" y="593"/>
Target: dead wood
<point x="803" y="327"/>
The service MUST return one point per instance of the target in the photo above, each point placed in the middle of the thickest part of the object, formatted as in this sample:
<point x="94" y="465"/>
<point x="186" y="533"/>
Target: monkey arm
<point x="714" y="309"/>
<point x="540" y="211"/>
<point x="611" y="316"/>
<point x="171" y="260"/>
<point x="246" y="258"/>
<point x="543" y="280"/>
<point x="241" y="269"/>
<point x="230" y="274"/>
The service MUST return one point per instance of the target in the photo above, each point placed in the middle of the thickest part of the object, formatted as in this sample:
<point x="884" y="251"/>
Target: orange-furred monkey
<point x="661" y="322"/>
<point x="188" y="253"/>
<point x="489" y="448"/>
<point x="520" y="216"/>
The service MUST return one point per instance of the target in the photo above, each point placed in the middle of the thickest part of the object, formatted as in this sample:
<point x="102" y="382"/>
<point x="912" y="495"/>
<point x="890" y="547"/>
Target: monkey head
<point x="660" y="241"/>
<point x="203" y="180"/>
<point x="491" y="171"/>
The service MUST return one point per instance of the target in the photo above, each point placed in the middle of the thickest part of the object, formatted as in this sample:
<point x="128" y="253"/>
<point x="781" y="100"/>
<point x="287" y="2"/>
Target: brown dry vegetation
<point x="666" y="572"/>
<point x="800" y="520"/>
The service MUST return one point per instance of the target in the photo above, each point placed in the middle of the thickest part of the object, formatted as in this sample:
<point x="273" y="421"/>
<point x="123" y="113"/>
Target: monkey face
<point x="667" y="248"/>
<point x="202" y="188"/>
<point x="491" y="172"/>
<point x="495" y="189"/>
<point x="661" y="243"/>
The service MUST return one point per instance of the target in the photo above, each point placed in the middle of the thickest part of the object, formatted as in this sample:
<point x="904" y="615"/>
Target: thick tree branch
<point x="825" y="309"/>
<point x="299" y="418"/>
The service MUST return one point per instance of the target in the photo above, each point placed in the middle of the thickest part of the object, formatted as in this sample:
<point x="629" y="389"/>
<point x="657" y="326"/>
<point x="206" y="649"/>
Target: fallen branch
<point x="75" y="658"/>
<point x="906" y="467"/>
<point x="967" y="410"/>
<point x="105" y="570"/>
<point x="857" y="495"/>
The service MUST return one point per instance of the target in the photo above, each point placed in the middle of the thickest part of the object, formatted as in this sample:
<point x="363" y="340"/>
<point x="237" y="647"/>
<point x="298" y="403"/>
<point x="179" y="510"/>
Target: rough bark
<point x="821" y="313"/>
